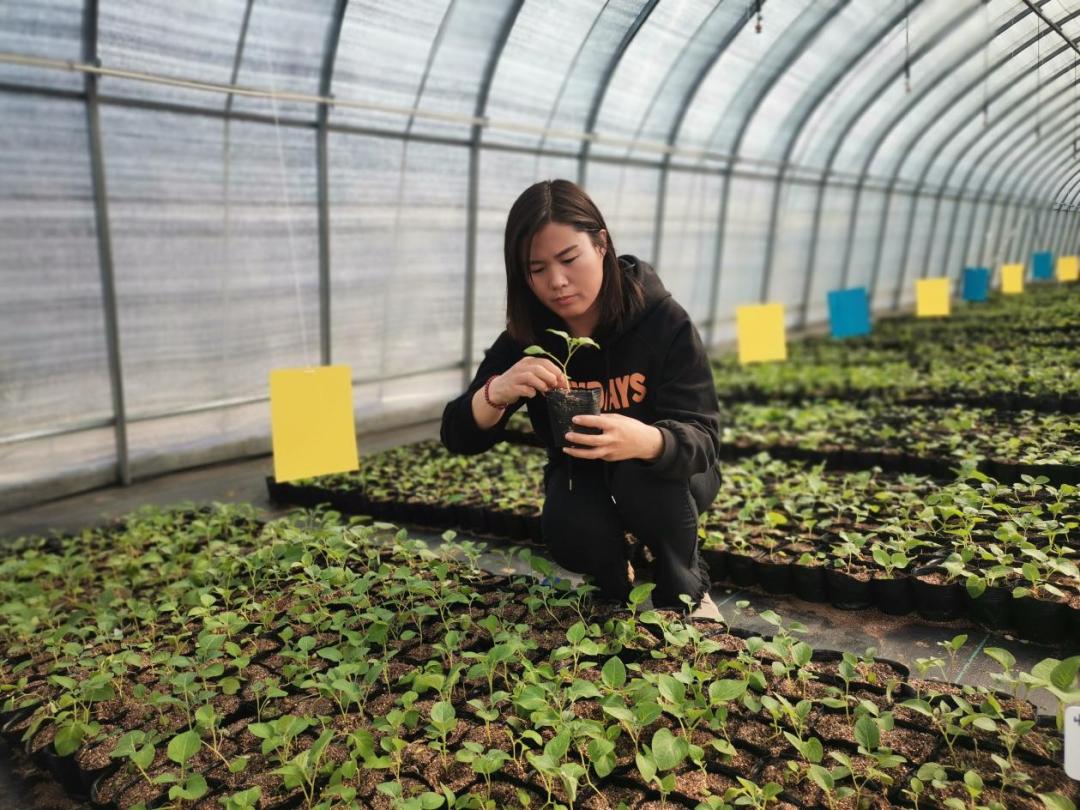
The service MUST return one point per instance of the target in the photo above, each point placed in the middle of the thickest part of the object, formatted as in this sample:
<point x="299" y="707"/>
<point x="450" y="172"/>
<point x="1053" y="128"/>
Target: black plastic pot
<point x="774" y="576"/>
<point x="8" y="730"/>
<point x="717" y="562"/>
<point x="934" y="601"/>
<point x="496" y="523"/>
<point x="740" y="569"/>
<point x="846" y="592"/>
<point x="993" y="608"/>
<point x="475" y="518"/>
<point x="64" y="770"/>
<point x="1072" y="627"/>
<point x="892" y="596"/>
<point x="563" y="406"/>
<point x="1039" y="620"/>
<point x="808" y="582"/>
<point x="354" y="502"/>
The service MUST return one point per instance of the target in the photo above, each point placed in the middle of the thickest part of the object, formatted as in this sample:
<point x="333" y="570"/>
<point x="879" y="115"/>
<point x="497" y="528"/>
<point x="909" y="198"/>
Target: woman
<point x="652" y="468"/>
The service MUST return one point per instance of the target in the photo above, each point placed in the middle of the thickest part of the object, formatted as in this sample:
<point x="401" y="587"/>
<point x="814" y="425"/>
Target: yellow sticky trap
<point x="761" y="333"/>
<point x="931" y="297"/>
<point x="1068" y="268"/>
<point x="1012" y="278"/>
<point x="311" y="422"/>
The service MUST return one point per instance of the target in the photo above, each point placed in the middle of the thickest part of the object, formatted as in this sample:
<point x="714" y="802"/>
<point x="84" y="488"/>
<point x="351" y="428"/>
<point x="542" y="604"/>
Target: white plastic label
<point x="1072" y="742"/>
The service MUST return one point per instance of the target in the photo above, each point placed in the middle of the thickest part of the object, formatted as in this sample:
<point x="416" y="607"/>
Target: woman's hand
<point x="528" y="377"/>
<point x="623" y="437"/>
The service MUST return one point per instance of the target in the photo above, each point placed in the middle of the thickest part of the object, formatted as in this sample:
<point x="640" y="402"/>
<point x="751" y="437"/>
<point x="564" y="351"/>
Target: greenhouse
<point x="539" y="404"/>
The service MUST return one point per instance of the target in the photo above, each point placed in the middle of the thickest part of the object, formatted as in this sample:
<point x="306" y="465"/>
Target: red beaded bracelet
<point x="487" y="395"/>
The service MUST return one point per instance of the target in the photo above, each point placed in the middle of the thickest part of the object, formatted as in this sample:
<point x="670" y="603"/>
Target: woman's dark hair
<point x="621" y="295"/>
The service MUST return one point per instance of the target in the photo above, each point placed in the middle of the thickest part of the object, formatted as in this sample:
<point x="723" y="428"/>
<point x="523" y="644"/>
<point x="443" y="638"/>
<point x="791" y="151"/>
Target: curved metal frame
<point x="1039" y="162"/>
<point x="1029" y="167"/>
<point x="1022" y="133"/>
<point x="474" y="187"/>
<point x="921" y="182"/>
<point x="944" y="183"/>
<point x="894" y="180"/>
<point x="680" y="116"/>
<point x="718" y="250"/>
<point x="826" y="90"/>
<point x="978" y="197"/>
<point x="605" y="82"/>
<point x="963" y="186"/>
<point x="1053" y="163"/>
<point x="811" y="266"/>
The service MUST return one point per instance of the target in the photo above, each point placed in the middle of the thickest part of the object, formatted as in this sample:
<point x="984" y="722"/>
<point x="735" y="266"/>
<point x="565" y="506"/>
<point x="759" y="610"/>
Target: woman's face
<point x="565" y="272"/>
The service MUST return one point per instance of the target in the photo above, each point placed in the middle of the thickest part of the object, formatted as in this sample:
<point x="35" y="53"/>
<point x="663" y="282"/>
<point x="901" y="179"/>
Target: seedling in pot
<point x="565" y="405"/>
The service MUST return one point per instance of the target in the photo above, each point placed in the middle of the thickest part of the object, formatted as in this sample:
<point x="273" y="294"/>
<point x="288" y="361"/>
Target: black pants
<point x="584" y="527"/>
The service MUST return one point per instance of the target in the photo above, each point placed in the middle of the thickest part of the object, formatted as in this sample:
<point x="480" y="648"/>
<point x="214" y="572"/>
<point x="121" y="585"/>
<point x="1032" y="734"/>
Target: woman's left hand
<point x="623" y="437"/>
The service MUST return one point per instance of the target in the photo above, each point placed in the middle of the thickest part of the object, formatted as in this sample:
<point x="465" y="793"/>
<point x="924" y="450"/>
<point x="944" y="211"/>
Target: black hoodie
<point x="654" y="370"/>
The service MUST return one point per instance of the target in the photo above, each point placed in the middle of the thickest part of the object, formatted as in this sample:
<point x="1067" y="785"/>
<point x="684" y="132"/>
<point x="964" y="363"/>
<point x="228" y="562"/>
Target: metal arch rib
<point x="929" y="164"/>
<point x="840" y="75"/>
<point x="796" y="52"/>
<point x="680" y="116"/>
<point x="967" y="178"/>
<point x="979" y="197"/>
<point x="1063" y="196"/>
<point x="811" y="256"/>
<point x="1053" y="25"/>
<point x="238" y="57"/>
<point x="906" y="147"/>
<point x="474" y="184"/>
<point x="605" y="82"/>
<point x="882" y="137"/>
<point x="104" y="241"/>
<point x="1021" y="200"/>
<point x="948" y="176"/>
<point x="1021" y="169"/>
<point x="326" y="80"/>
<point x="566" y="79"/>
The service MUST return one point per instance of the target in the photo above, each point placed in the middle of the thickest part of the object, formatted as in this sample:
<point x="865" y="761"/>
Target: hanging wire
<point x="907" y="47"/>
<point x="757" y="25"/>
<point x="1076" y="112"/>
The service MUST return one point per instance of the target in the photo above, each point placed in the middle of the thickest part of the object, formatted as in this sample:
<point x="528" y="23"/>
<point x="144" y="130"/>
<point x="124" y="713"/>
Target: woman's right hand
<point x="526" y="378"/>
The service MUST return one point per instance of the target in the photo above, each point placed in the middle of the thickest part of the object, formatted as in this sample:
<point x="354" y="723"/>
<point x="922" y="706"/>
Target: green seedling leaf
<point x="668" y="749"/>
<point x="183" y="747"/>
<point x="1063" y="676"/>
<point x="194" y="788"/>
<point x="724" y="691"/>
<point x="614" y="673"/>
<point x="867" y="734"/>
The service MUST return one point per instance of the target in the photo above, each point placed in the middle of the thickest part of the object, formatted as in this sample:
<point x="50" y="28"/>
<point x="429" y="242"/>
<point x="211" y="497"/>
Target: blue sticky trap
<point x="976" y="283"/>
<point x="1042" y="265"/>
<point x="849" y="312"/>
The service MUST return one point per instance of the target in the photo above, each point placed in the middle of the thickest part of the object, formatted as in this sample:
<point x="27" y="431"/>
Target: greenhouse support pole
<point x="326" y="79"/>
<point x="104" y="240"/>
<point x="473" y="201"/>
